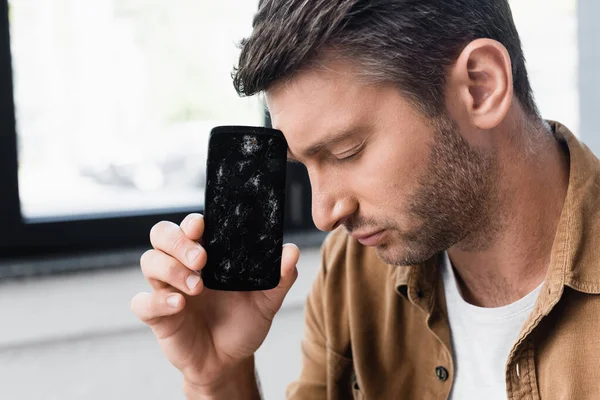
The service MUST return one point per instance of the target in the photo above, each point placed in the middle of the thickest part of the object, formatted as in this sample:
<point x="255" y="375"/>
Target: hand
<point x="206" y="334"/>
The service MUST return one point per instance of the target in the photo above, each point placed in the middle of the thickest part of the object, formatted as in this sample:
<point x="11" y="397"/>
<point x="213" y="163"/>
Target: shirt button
<point x="441" y="373"/>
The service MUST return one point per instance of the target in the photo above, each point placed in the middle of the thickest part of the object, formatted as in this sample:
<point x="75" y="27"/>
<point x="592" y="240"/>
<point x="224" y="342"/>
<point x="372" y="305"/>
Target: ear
<point x="482" y="80"/>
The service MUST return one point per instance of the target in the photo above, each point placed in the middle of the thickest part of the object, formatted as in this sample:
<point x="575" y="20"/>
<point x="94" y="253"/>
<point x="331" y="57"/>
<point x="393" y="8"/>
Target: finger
<point x="161" y="269"/>
<point x="144" y="260"/>
<point x="170" y="238"/>
<point x="193" y="226"/>
<point x="150" y="306"/>
<point x="289" y="259"/>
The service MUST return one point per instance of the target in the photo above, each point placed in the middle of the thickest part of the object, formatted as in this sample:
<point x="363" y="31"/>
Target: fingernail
<point x="191" y="219"/>
<point x="193" y="254"/>
<point x="192" y="281"/>
<point x="173" y="301"/>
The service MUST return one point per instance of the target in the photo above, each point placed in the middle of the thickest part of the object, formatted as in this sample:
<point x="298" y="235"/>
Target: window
<point x="548" y="31"/>
<point x="115" y="100"/>
<point x="561" y="41"/>
<point x="589" y="64"/>
<point x="113" y="103"/>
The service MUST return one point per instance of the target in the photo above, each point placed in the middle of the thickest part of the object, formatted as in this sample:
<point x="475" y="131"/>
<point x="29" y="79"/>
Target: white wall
<point x="589" y="72"/>
<point x="73" y="337"/>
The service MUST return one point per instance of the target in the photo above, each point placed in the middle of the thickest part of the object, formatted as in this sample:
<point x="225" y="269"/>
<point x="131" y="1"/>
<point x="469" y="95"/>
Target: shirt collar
<point x="575" y="258"/>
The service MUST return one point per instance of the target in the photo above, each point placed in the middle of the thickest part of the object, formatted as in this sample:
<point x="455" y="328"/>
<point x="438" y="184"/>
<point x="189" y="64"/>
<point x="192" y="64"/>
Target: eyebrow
<point x="321" y="144"/>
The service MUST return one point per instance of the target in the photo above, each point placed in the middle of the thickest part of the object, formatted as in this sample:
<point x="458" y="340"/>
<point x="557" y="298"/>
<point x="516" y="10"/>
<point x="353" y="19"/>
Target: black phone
<point x="244" y="208"/>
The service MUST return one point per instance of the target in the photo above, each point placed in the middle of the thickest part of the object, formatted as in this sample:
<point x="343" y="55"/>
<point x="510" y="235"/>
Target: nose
<point x="331" y="203"/>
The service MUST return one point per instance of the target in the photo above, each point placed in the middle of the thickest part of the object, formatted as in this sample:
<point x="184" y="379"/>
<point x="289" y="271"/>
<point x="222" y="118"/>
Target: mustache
<point x="355" y="222"/>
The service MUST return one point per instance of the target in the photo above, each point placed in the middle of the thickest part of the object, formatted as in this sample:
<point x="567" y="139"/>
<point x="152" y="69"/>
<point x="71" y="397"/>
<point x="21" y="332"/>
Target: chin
<point x="404" y="253"/>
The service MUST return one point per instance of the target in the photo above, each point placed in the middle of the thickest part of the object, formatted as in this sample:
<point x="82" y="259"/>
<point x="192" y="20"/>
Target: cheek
<point x="390" y="174"/>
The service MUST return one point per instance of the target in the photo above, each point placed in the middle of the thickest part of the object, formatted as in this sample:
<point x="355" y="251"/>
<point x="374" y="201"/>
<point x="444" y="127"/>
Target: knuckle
<point x="179" y="243"/>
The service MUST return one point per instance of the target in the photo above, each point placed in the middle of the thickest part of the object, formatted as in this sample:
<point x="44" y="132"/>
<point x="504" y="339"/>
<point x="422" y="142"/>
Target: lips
<point x="369" y="238"/>
<point x="359" y="236"/>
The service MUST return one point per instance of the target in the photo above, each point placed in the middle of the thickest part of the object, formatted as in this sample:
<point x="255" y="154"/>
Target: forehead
<point x="313" y="91"/>
<point x="320" y="101"/>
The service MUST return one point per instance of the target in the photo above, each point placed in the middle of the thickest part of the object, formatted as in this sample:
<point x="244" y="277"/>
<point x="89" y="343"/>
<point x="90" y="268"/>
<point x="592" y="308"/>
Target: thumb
<point x="289" y="258"/>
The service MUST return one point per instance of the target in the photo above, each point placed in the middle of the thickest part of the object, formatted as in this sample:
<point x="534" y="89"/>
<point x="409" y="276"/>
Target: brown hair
<point x="410" y="43"/>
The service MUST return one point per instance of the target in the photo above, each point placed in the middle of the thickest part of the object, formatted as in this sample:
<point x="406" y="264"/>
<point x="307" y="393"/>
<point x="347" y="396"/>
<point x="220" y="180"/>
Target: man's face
<point x="377" y="166"/>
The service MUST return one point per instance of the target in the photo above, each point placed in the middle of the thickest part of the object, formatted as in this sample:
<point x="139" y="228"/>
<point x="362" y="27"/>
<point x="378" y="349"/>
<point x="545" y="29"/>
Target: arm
<point x="242" y="385"/>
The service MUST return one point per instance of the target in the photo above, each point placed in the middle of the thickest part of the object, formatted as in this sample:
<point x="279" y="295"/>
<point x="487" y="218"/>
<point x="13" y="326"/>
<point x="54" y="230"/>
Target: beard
<point x="453" y="205"/>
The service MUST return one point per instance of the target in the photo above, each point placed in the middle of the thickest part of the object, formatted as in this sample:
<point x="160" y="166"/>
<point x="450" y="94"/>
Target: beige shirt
<point x="377" y="331"/>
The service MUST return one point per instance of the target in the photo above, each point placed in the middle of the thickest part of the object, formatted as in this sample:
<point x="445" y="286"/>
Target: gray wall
<point x="73" y="337"/>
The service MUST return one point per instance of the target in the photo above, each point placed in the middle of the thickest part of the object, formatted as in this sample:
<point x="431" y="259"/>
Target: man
<point x="464" y="261"/>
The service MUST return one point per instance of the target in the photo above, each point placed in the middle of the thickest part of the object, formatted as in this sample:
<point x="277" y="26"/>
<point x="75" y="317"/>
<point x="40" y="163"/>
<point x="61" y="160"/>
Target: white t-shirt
<point x="482" y="339"/>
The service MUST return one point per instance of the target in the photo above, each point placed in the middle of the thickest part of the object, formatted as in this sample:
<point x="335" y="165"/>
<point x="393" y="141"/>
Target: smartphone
<point x="244" y="208"/>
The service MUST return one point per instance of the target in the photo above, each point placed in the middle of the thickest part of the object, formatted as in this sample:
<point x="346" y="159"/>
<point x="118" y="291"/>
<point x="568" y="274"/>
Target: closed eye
<point x="347" y="158"/>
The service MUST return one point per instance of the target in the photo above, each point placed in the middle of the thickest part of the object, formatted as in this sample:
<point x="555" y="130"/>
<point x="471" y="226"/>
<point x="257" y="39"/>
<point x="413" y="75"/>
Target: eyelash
<point x="349" y="158"/>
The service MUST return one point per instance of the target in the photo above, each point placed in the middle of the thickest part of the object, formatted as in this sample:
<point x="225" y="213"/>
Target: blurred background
<point x="113" y="104"/>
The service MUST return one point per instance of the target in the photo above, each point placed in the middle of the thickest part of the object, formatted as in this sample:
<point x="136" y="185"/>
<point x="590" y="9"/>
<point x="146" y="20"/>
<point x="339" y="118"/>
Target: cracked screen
<point x="244" y="211"/>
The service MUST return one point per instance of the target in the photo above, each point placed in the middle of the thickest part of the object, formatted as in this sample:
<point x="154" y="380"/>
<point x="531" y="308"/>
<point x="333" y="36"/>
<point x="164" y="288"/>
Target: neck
<point x="519" y="234"/>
